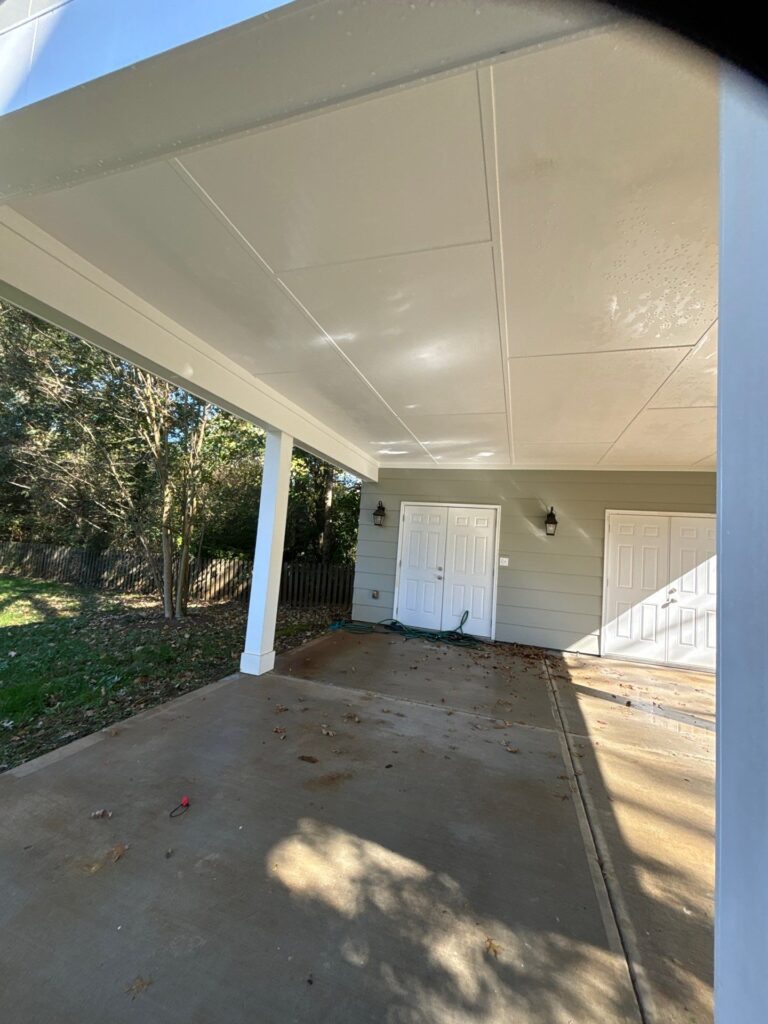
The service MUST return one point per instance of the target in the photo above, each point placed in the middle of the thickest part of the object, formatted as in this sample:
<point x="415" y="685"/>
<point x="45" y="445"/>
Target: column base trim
<point x="257" y="664"/>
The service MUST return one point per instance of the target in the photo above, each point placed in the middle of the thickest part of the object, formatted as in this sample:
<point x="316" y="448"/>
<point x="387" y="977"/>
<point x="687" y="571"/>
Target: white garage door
<point x="446" y="566"/>
<point x="659" y="589"/>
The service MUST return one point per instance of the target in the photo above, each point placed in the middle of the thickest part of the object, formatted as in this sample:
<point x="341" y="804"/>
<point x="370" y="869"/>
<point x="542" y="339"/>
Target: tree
<point x="105" y="442"/>
<point x="97" y="452"/>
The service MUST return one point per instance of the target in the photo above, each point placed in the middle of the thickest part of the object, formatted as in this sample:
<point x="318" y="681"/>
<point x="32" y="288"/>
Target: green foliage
<point x="97" y="453"/>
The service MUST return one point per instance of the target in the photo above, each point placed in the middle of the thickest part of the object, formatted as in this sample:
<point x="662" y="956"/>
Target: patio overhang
<point x="452" y="236"/>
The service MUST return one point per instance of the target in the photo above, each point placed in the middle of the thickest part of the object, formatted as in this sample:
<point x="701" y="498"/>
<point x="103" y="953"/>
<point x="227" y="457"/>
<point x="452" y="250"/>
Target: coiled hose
<point x="457" y="637"/>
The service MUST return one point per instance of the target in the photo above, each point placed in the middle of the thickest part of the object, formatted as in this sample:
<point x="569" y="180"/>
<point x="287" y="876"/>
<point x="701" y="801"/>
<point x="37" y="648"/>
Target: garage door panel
<point x="660" y="585"/>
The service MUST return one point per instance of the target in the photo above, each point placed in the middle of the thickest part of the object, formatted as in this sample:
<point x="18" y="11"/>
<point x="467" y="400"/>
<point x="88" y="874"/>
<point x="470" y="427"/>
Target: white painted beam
<point x="741" y="905"/>
<point x="40" y="274"/>
<point x="259" y="654"/>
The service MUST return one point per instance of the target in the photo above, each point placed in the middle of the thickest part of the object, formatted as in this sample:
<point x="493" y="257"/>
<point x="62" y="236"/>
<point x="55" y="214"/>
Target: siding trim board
<point x="551" y="594"/>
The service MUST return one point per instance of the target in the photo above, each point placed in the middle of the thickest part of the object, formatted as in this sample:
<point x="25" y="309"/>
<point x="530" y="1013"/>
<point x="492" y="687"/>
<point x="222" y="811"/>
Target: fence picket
<point x="302" y="585"/>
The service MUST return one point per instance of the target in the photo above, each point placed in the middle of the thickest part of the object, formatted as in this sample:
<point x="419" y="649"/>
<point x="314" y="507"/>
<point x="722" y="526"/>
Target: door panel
<point x="692" y="592"/>
<point x="636" y="587"/>
<point x="469" y="569"/>
<point x="420" y="592"/>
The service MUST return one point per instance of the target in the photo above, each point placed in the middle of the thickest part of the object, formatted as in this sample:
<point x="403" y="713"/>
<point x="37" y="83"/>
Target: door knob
<point x="673" y="590"/>
<point x="439" y="577"/>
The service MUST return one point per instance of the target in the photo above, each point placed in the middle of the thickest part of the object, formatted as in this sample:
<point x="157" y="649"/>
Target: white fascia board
<point x="43" y="276"/>
<point x="288" y="63"/>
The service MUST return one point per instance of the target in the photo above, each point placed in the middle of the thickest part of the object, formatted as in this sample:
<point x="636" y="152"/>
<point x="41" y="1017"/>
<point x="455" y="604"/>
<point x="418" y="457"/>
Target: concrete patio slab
<point x="418" y="871"/>
<point x="648" y="782"/>
<point x="367" y="841"/>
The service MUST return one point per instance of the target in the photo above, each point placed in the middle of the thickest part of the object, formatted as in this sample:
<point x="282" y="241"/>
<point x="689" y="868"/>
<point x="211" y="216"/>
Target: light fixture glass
<point x="550" y="523"/>
<point x="378" y="515"/>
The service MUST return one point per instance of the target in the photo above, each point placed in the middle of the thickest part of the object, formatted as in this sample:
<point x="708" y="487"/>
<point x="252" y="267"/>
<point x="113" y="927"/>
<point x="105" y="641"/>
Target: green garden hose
<point x="457" y="637"/>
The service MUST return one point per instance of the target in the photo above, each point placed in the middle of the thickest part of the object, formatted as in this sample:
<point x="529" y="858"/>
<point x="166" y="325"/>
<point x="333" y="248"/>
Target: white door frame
<point x="604" y="610"/>
<point x="451" y="504"/>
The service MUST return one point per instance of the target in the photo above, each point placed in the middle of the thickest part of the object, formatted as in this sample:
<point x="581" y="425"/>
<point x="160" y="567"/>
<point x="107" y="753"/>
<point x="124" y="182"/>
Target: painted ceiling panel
<point x="666" y="438"/>
<point x="340" y="398"/>
<point x="584" y="399"/>
<point x="377" y="264"/>
<point x="422" y="327"/>
<point x="478" y="439"/>
<point x="607" y="158"/>
<point x="395" y="174"/>
<point x="149" y="230"/>
<point x="532" y="453"/>
<point x="694" y="382"/>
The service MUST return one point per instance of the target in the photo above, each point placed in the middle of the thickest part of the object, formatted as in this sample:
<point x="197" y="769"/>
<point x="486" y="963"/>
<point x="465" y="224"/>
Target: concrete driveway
<point x="381" y="831"/>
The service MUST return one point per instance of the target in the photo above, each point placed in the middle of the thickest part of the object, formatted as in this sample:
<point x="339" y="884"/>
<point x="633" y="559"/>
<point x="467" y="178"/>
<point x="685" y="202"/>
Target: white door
<point x="422" y="557"/>
<point x="660" y="589"/>
<point x="447" y="567"/>
<point x="692" y="592"/>
<point x="636" y="587"/>
<point x="469" y="566"/>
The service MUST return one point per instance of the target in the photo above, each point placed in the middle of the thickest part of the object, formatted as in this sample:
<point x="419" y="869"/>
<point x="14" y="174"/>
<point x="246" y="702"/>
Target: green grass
<point x="74" y="660"/>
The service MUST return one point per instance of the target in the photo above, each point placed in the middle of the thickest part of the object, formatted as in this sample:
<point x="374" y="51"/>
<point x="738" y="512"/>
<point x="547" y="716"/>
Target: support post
<point x="741" y="905"/>
<point x="259" y="654"/>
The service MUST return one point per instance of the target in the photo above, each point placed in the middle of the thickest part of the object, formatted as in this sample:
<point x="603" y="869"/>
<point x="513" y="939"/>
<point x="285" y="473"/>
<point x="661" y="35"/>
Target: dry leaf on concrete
<point x="138" y="985"/>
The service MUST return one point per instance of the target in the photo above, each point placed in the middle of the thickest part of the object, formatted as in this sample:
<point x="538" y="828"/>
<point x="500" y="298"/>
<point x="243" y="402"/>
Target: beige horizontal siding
<point x="551" y="593"/>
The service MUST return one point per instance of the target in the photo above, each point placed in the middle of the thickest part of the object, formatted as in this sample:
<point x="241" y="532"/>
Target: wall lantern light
<point x="378" y="515"/>
<point x="550" y="523"/>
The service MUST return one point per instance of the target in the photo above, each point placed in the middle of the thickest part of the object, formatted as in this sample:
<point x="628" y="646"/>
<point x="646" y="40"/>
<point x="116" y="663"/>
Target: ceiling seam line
<point x="609" y="351"/>
<point x="386" y="256"/>
<point x="491" y="175"/>
<point x="647" y="404"/>
<point x="690" y="351"/>
<point x="278" y="398"/>
<point x="214" y="207"/>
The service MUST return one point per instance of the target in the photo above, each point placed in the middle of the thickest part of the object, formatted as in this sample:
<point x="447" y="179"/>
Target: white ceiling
<point x="514" y="265"/>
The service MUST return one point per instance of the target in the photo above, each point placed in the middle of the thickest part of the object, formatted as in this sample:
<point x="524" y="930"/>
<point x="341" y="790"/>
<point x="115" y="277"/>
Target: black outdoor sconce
<point x="378" y="515"/>
<point x="550" y="523"/>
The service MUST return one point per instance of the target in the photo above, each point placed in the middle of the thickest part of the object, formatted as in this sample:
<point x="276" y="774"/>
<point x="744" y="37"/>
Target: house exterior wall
<point x="551" y="593"/>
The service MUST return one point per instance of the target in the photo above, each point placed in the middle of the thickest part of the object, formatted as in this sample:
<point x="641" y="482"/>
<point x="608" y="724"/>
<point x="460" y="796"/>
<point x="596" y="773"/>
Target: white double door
<point x="660" y="589"/>
<point x="447" y="565"/>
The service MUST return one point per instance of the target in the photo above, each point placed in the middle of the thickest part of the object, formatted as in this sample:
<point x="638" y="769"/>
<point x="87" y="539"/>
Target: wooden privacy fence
<point x="212" y="579"/>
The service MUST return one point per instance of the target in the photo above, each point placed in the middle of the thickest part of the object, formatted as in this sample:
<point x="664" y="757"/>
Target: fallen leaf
<point x="138" y="985"/>
<point x="280" y="731"/>
<point x="118" y="851"/>
<point x="492" y="947"/>
<point x="103" y="813"/>
<point x="279" y="708"/>
<point x="326" y="731"/>
<point x="352" y="717"/>
<point x="512" y="750"/>
<point x="308" y="758"/>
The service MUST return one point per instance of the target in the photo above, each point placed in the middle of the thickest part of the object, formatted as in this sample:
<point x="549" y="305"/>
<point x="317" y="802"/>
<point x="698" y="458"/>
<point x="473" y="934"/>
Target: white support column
<point x="741" y="905"/>
<point x="259" y="654"/>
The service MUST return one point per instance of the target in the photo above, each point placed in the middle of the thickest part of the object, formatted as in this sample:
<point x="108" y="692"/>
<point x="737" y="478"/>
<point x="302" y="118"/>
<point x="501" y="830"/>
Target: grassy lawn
<point x="75" y="660"/>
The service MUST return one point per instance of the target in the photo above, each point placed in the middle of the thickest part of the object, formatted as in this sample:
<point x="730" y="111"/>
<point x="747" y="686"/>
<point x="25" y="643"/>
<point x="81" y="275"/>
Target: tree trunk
<point x="190" y="494"/>
<point x="327" y="534"/>
<point x="167" y="544"/>
<point x="182" y="572"/>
